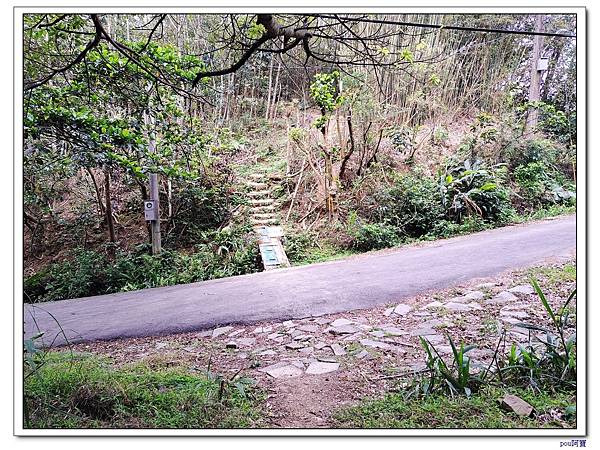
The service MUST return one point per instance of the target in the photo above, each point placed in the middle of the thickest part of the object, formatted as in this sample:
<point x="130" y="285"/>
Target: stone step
<point x="263" y="215"/>
<point x="263" y="201"/>
<point x="257" y="184"/>
<point x="264" y="221"/>
<point x="259" y="193"/>
<point x="261" y="208"/>
<point x="256" y="176"/>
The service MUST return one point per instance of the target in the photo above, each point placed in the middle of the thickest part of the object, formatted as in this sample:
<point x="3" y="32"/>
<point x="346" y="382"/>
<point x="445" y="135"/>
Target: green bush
<point x="472" y="188"/>
<point x="231" y="251"/>
<point x="539" y="186"/>
<point x="298" y="244"/>
<point x="196" y="210"/>
<point x="412" y="205"/>
<point x="376" y="236"/>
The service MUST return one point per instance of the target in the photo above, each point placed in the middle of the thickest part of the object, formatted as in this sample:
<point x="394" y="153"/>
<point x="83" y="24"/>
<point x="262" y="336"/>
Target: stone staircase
<point x="265" y="220"/>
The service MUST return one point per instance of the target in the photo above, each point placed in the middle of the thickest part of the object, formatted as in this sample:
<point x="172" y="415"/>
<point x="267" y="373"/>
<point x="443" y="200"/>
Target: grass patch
<point x="545" y="213"/>
<point x="82" y="391"/>
<point x="480" y="411"/>
<point x="556" y="275"/>
<point x="325" y="253"/>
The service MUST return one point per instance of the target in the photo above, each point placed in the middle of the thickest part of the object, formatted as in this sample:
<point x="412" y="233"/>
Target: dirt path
<point x="302" y="292"/>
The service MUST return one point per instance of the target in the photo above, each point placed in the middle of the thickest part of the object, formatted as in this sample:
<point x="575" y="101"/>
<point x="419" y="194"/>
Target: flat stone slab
<point x="323" y="320"/>
<point x="294" y="346"/>
<point x="338" y="350"/>
<point x="308" y="328"/>
<point x="221" y="330"/>
<point x="378" y="333"/>
<point x="453" y="306"/>
<point x="319" y="367"/>
<point x="517" y="405"/>
<point x="341" y="322"/>
<point x="402" y="309"/>
<point x="263" y="330"/>
<point x="522" y="289"/>
<point x="394" y="331"/>
<point x="423" y="331"/>
<point x="435" y="304"/>
<point x="344" y="329"/>
<point x="375" y="344"/>
<point x="246" y="342"/>
<point x="502" y="297"/>
<point x="517" y="314"/>
<point x="282" y="370"/>
<point x="486" y="285"/>
<point x="474" y="295"/>
<point x="268" y="353"/>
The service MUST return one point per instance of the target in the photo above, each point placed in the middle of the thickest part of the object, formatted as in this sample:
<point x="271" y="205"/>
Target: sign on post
<point x="150" y="210"/>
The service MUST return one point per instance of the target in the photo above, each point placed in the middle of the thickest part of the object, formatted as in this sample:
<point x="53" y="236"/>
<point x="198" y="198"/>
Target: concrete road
<point x="359" y="282"/>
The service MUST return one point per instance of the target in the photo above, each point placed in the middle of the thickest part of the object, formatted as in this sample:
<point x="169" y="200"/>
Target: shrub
<point x="376" y="236"/>
<point x="79" y="277"/>
<point x="196" y="210"/>
<point x="412" y="205"/>
<point x="539" y="185"/>
<point x="471" y="188"/>
<point x="298" y="244"/>
<point x="231" y="251"/>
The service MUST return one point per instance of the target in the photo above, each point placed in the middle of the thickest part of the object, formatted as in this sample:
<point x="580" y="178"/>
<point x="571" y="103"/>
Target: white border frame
<point x="582" y="401"/>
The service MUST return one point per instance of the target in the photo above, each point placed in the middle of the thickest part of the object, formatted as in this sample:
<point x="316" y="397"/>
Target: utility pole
<point x="152" y="205"/>
<point x="536" y="78"/>
<point x="155" y="224"/>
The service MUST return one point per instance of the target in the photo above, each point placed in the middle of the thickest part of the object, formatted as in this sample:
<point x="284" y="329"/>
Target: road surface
<point x="358" y="282"/>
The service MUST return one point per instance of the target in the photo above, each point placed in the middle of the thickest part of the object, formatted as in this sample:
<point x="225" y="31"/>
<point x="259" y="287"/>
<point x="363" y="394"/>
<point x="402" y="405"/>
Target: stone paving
<point x="321" y="345"/>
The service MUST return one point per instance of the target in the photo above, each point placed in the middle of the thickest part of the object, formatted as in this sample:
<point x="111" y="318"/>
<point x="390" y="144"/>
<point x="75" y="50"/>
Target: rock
<point x="282" y="370"/>
<point x="353" y="337"/>
<point x="517" y="405"/>
<point x="263" y="330"/>
<point x="319" y="368"/>
<point x="344" y="329"/>
<point x="309" y="328"/>
<point x="474" y="295"/>
<point x="288" y="323"/>
<point x="231" y="345"/>
<point x="323" y="320"/>
<point x="402" y="309"/>
<point x="275" y="336"/>
<point x="160" y="345"/>
<point x="423" y="331"/>
<point x="320" y="345"/>
<point x="362" y="354"/>
<point x="294" y="346"/>
<point x="460" y="299"/>
<point x="243" y="355"/>
<point x="307" y="350"/>
<point x="485" y="285"/>
<point x="375" y="344"/>
<point x="341" y="322"/>
<point x="435" y="338"/>
<point x="432" y="323"/>
<point x="203" y="334"/>
<point x="221" y="330"/>
<point x="246" y="342"/>
<point x="453" y="306"/>
<point x="235" y="333"/>
<point x="338" y="350"/>
<point x="475" y="305"/>
<point x="364" y="326"/>
<point x="394" y="331"/>
<point x="434" y="304"/>
<point x="517" y="314"/>
<point x="303" y="337"/>
<point x="502" y="297"/>
<point x="268" y="353"/>
<point x="422" y="314"/>
<point x="388" y="311"/>
<point x="328" y="359"/>
<point x="378" y="333"/>
<point x="511" y="320"/>
<point x="298" y="364"/>
<point x="522" y="289"/>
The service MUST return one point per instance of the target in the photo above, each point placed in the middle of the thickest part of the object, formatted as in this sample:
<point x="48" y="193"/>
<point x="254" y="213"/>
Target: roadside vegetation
<point x="453" y="393"/>
<point x="69" y="390"/>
